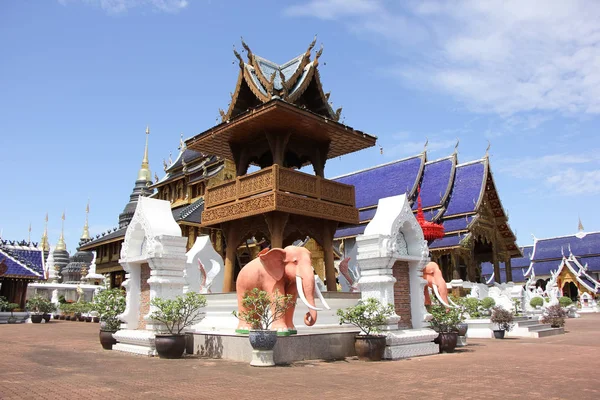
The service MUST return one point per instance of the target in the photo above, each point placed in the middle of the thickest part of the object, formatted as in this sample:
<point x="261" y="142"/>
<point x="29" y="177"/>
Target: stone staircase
<point x="532" y="328"/>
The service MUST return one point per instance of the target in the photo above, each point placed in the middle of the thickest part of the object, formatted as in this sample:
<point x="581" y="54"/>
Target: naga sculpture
<point x="287" y="271"/>
<point x="433" y="275"/>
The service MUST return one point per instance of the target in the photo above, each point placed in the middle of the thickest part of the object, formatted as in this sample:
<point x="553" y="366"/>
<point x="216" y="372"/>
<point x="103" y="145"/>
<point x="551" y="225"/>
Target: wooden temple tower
<point x="279" y="120"/>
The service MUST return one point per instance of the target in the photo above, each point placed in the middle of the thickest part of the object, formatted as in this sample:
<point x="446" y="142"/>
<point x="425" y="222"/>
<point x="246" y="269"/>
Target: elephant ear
<point x="274" y="262"/>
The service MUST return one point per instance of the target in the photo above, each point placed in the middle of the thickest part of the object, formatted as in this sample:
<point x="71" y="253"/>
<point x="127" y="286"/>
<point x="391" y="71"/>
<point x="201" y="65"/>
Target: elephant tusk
<point x="302" y="295"/>
<point x="453" y="303"/>
<point x="320" y="295"/>
<point x="437" y="294"/>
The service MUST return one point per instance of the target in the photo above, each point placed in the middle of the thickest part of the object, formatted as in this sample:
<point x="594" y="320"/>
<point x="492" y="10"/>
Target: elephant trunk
<point x="306" y="289"/>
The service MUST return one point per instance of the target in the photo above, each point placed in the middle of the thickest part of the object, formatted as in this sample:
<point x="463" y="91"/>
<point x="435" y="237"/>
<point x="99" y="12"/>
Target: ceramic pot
<point x="96" y="319"/>
<point x="107" y="340"/>
<point x="369" y="347"/>
<point x="170" y="346"/>
<point x="262" y="340"/>
<point x="36" y="318"/>
<point x="462" y="329"/>
<point x="447" y="341"/>
<point x="62" y="316"/>
<point x="68" y="318"/>
<point x="46" y="317"/>
<point x="88" y="319"/>
<point x="499" y="333"/>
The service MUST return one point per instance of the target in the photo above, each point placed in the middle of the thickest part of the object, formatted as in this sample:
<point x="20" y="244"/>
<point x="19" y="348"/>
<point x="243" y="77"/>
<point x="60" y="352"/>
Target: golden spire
<point x="29" y="237"/>
<point x="86" y="228"/>
<point x="44" y="244"/>
<point x="61" y="245"/>
<point x="144" y="173"/>
<point x="580" y="226"/>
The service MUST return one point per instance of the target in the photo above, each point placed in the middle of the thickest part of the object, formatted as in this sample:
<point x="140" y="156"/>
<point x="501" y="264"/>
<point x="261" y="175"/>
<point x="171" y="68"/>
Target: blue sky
<point x="81" y="79"/>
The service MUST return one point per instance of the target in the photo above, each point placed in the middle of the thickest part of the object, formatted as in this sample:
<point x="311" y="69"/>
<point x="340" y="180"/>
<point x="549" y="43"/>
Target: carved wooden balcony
<point x="279" y="189"/>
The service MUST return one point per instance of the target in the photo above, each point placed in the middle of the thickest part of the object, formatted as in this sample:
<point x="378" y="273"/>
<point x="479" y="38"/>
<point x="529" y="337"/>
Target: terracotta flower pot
<point x="369" y="347"/>
<point x="447" y="341"/>
<point x="170" y="346"/>
<point x="107" y="340"/>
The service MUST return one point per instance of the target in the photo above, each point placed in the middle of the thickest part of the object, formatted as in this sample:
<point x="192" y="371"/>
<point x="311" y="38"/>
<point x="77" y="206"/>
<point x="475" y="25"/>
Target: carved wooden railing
<point x="280" y="179"/>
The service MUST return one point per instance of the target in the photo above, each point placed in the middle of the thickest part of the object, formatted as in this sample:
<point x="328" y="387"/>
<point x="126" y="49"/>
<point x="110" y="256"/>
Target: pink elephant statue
<point x="288" y="271"/>
<point x="344" y="270"/>
<point x="433" y="275"/>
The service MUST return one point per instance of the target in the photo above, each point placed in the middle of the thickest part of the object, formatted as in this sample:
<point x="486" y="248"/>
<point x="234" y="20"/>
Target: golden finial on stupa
<point x="45" y="245"/>
<point x="144" y="173"/>
<point x="86" y="228"/>
<point x="61" y="245"/>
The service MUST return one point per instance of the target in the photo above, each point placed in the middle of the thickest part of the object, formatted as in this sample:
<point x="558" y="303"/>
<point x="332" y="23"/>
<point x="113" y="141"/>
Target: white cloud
<point x="121" y="6"/>
<point x="564" y="174"/>
<point x="498" y="56"/>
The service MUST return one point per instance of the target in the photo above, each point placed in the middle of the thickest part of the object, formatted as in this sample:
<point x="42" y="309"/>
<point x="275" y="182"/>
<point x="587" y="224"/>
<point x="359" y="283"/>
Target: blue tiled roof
<point x="592" y="262"/>
<point x="437" y="180"/>
<point x="523" y="262"/>
<point x="367" y="215"/>
<point x="457" y="224"/>
<point x="353" y="230"/>
<point x="468" y="186"/>
<point x="544" y="267"/>
<point x="551" y="248"/>
<point x="387" y="180"/>
<point x="446" y="241"/>
<point x="518" y="276"/>
<point x="33" y="258"/>
<point x="17" y="268"/>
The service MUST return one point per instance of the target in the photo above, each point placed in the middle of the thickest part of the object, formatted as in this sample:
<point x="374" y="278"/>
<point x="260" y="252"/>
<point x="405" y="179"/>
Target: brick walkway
<point x="64" y="360"/>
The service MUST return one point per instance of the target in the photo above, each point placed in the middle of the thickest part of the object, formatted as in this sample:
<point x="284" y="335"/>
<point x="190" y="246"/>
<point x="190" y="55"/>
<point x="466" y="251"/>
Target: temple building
<point x="279" y="120"/>
<point x="183" y="185"/>
<point x="79" y="263"/>
<point x="20" y="264"/>
<point x="574" y="260"/>
<point x="461" y="197"/>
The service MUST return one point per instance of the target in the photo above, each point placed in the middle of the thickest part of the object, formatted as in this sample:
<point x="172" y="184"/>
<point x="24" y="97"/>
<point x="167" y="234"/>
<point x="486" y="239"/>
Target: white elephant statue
<point x="204" y="268"/>
<point x="348" y="276"/>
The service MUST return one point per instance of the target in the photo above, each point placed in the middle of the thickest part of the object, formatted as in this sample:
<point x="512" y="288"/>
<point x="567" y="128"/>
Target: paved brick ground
<point x="64" y="360"/>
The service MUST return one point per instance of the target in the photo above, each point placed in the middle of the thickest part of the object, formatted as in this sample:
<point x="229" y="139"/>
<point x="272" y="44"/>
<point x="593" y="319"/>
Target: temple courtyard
<point x="65" y="360"/>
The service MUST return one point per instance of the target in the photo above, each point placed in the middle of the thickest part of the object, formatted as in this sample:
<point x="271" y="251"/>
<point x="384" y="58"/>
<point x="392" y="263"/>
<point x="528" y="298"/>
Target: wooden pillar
<point x="241" y="159"/>
<point x="472" y="266"/>
<point x="232" y="237"/>
<point x="278" y="143"/>
<point x="455" y="265"/>
<point x="329" y="228"/>
<point x="23" y="298"/>
<point x="318" y="159"/>
<point x="508" y="267"/>
<point x="276" y="222"/>
<point x="496" y="262"/>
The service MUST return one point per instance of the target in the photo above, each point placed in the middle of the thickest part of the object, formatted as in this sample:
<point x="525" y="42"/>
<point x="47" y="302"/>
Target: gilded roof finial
<point x="317" y="55"/>
<point x="86" y="227"/>
<point x="165" y="166"/>
<point x="182" y="145"/>
<point x="580" y="226"/>
<point x="456" y="146"/>
<point x="248" y="51"/>
<point x="284" y="90"/>
<point x="426" y="143"/>
<point x="170" y="159"/>
<point x="144" y="173"/>
<point x="237" y="55"/>
<point x="487" y="150"/>
<point x="155" y="178"/>
<point x="44" y="242"/>
<point x="61" y="245"/>
<point x="29" y="236"/>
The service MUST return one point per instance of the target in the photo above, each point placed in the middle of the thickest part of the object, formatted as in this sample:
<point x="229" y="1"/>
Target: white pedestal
<point x="262" y="358"/>
<point x="408" y="343"/>
<point x="462" y="341"/>
<point x="135" y="341"/>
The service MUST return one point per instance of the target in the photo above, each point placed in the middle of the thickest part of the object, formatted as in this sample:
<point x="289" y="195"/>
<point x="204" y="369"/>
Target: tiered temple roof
<point x="21" y="260"/>
<point x="548" y="255"/>
<point x="452" y="194"/>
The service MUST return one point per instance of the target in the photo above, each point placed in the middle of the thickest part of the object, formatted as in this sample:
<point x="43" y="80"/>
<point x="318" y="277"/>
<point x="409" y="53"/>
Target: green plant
<point x="472" y="307"/>
<point x="61" y="299"/>
<point x="536" y="302"/>
<point x="48" y="307"/>
<point x="66" y="308"/>
<point x="488" y="303"/>
<point x="546" y="300"/>
<point x="444" y="319"/>
<point x="503" y="318"/>
<point x="179" y="313"/>
<point x="3" y="304"/>
<point x="261" y="310"/>
<point x="565" y="301"/>
<point x="368" y="315"/>
<point x="109" y="304"/>
<point x="554" y="315"/>
<point x="36" y="304"/>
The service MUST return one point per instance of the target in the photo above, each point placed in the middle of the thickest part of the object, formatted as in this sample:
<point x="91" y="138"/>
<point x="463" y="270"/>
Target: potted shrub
<point x="34" y="305"/>
<point x="109" y="304"/>
<point x="503" y="319"/>
<point x="176" y="315"/>
<point x="261" y="310"/>
<point x="555" y="316"/>
<point x="472" y="307"/>
<point x="536" y="302"/>
<point x="368" y="315"/>
<point x="565" y="301"/>
<point x="445" y="321"/>
<point x="486" y="304"/>
<point x="47" y="308"/>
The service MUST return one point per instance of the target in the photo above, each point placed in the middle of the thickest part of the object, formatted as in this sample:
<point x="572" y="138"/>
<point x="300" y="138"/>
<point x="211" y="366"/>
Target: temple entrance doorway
<point x="570" y="290"/>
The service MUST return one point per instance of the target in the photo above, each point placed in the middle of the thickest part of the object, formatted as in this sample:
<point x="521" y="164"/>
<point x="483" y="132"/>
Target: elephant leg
<point x="279" y="324"/>
<point x="426" y="294"/>
<point x="242" y="325"/>
<point x="289" y="314"/>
